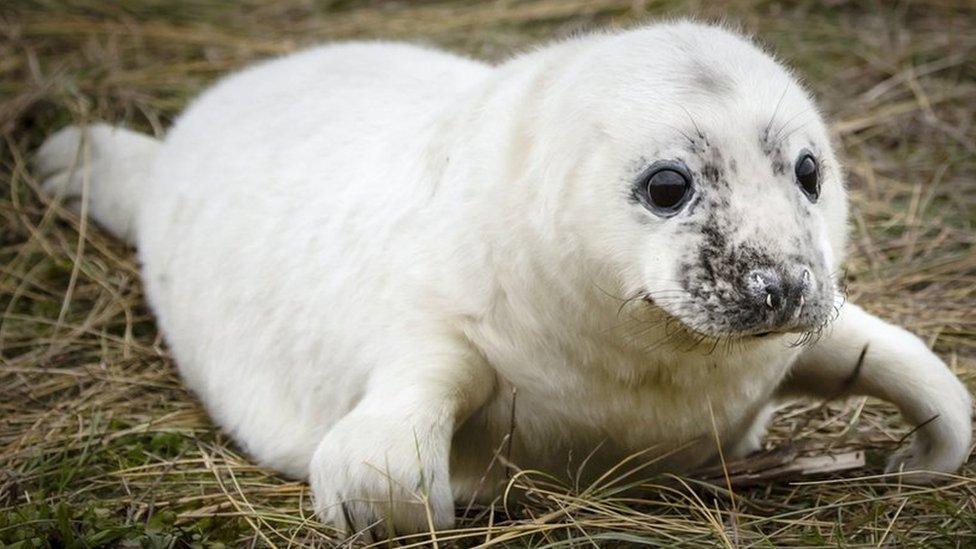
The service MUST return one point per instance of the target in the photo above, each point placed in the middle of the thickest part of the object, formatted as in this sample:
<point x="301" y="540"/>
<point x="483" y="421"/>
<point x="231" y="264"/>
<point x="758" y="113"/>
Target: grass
<point x="101" y="445"/>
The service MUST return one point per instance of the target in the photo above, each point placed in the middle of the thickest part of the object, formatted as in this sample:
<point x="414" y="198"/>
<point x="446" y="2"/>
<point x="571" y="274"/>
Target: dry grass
<point x="99" y="442"/>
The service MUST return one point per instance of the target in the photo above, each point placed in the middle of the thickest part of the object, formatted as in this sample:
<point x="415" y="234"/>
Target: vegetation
<point x="100" y="444"/>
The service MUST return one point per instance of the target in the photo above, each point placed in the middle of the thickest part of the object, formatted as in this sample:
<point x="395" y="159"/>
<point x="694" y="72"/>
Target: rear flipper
<point x="109" y="167"/>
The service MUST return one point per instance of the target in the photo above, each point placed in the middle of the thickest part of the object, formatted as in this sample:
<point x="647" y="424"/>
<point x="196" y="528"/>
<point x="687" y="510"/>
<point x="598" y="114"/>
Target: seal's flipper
<point x="106" y="166"/>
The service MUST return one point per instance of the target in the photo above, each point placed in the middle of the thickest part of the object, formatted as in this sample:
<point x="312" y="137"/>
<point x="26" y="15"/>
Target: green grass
<point x="101" y="445"/>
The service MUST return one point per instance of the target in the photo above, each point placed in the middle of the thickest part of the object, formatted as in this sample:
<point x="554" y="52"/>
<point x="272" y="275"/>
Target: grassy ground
<point x="100" y="443"/>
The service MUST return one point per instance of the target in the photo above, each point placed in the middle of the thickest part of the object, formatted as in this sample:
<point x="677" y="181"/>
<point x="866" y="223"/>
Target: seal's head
<point x="721" y="201"/>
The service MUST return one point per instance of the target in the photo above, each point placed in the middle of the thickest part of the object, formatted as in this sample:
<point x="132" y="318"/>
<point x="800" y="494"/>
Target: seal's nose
<point x="780" y="294"/>
<point x="770" y="290"/>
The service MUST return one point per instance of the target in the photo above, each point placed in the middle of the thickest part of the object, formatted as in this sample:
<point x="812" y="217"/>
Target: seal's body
<point x="381" y="266"/>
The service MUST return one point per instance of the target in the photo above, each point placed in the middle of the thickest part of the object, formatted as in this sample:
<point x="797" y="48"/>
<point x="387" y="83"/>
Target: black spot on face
<point x="773" y="149"/>
<point x="712" y="277"/>
<point x="713" y="170"/>
<point x="715" y="269"/>
<point x="696" y="144"/>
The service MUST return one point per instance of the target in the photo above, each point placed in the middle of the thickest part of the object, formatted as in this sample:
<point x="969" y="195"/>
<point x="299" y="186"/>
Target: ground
<point x="100" y="444"/>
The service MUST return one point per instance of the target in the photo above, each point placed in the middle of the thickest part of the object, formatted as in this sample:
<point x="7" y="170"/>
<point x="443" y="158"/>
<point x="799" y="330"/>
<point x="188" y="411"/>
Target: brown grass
<point x="100" y="443"/>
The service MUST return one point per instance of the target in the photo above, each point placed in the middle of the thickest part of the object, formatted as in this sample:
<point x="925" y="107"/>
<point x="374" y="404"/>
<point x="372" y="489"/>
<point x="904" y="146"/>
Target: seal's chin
<point x="761" y="333"/>
<point x="766" y="332"/>
<point x="744" y="336"/>
<point x="702" y="328"/>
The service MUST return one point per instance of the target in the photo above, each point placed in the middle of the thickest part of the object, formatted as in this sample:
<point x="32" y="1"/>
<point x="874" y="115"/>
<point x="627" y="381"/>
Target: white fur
<point x="366" y="257"/>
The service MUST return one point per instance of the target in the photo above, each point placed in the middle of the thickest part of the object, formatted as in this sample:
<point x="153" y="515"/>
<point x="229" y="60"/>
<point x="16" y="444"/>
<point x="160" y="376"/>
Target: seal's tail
<point x="100" y="171"/>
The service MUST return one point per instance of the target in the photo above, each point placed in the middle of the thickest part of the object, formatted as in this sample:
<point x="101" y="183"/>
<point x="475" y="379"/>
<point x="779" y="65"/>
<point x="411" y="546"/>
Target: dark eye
<point x="808" y="175"/>
<point x="666" y="187"/>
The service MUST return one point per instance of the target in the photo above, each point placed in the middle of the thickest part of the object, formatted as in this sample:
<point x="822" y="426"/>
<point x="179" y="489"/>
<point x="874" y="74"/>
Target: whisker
<point x="779" y="103"/>
<point x="694" y="123"/>
<point x="794" y="130"/>
<point x="796" y="115"/>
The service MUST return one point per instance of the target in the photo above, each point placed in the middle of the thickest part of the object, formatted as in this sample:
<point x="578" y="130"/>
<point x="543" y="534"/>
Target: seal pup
<point x="371" y="260"/>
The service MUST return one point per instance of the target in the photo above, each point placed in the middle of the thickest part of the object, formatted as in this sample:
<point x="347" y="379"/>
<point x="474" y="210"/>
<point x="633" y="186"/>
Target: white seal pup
<point x="371" y="260"/>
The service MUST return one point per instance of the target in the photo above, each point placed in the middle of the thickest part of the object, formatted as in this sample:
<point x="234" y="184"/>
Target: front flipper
<point x="385" y="463"/>
<point x="863" y="355"/>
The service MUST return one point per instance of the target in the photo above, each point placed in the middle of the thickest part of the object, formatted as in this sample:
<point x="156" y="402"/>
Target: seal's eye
<point x="808" y="175"/>
<point x="666" y="187"/>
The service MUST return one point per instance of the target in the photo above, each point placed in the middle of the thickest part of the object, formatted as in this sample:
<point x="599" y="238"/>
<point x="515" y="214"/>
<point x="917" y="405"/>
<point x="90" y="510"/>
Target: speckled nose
<point x="781" y="295"/>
